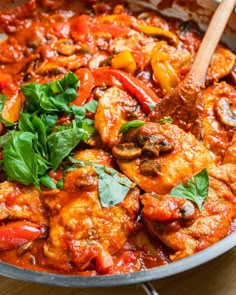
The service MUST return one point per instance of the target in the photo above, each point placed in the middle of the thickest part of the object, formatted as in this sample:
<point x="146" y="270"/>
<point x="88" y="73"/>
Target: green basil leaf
<point x="3" y="99"/>
<point x="49" y="121"/>
<point x="61" y="100"/>
<point x="51" y="97"/>
<point x="112" y="186"/>
<point x="47" y="181"/>
<point x="41" y="131"/>
<point x="78" y="111"/>
<point x="4" y="139"/>
<point x="61" y="143"/>
<point x="33" y="93"/>
<point x="47" y="104"/>
<point x="55" y="87"/>
<point x="91" y="106"/>
<point x="19" y="159"/>
<point x="131" y="124"/>
<point x="43" y="165"/>
<point x="194" y="189"/>
<point x="70" y="80"/>
<point x="60" y="184"/>
<point x="166" y="120"/>
<point x="25" y="123"/>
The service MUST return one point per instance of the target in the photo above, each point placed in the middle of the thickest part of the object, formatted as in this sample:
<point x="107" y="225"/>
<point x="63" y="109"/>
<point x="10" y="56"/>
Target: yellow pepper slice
<point x="163" y="71"/>
<point x="155" y="31"/>
<point x="125" y="61"/>
<point x="12" y="108"/>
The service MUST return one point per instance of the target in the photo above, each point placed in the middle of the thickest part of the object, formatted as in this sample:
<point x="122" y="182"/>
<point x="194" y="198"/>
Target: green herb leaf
<point x="49" y="121"/>
<point x="51" y="97"/>
<point x="4" y="139"/>
<point x="131" y="124"/>
<point x="19" y="158"/>
<point x="91" y="106"/>
<point x="31" y="151"/>
<point x="194" y="189"/>
<point x="112" y="186"/>
<point x="78" y="111"/>
<point x="61" y="143"/>
<point x="166" y="120"/>
<point x="47" y="181"/>
<point x="60" y="183"/>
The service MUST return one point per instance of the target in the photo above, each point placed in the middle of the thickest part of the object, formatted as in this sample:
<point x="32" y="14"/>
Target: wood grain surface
<point x="217" y="277"/>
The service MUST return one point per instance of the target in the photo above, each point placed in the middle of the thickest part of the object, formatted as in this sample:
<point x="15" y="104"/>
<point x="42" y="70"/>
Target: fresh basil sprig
<point x="112" y="186"/>
<point x="131" y="124"/>
<point x="38" y="143"/>
<point x="194" y="189"/>
<point x="19" y="158"/>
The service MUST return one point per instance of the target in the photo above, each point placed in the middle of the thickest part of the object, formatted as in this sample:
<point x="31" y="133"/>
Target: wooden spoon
<point x="185" y="104"/>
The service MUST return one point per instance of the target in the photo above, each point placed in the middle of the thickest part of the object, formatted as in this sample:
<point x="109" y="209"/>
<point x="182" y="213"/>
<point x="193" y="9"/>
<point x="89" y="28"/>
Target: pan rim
<point x="160" y="272"/>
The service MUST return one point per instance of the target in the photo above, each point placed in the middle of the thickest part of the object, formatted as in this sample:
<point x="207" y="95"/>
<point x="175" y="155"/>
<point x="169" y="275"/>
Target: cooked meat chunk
<point x="221" y="65"/>
<point x="21" y="202"/>
<point x="216" y="131"/>
<point x="115" y="107"/>
<point x="184" y="158"/>
<point x="167" y="208"/>
<point x="187" y="237"/>
<point x="82" y="232"/>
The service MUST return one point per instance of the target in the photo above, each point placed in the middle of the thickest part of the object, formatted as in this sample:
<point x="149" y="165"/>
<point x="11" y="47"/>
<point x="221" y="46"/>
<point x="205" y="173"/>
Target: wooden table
<point x="217" y="277"/>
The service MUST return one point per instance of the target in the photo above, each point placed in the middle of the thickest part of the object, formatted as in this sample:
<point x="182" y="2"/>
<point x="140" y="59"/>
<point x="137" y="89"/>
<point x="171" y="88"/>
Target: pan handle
<point x="149" y="288"/>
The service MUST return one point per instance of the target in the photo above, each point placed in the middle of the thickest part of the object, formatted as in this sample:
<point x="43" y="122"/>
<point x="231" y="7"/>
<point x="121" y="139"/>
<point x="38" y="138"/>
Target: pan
<point x="202" y="15"/>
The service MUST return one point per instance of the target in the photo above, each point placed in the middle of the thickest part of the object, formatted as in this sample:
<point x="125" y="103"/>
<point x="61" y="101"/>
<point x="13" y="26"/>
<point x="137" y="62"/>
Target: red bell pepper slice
<point x="82" y="32"/>
<point x="136" y="88"/>
<point x="86" y="85"/>
<point x="15" y="234"/>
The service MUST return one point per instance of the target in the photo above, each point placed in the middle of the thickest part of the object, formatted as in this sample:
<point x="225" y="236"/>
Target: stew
<point x="93" y="180"/>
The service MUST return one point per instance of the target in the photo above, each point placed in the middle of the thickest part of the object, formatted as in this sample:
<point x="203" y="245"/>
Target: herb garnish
<point x="165" y="120"/>
<point x="37" y="143"/>
<point x="194" y="189"/>
<point x="131" y="124"/>
<point x="112" y="186"/>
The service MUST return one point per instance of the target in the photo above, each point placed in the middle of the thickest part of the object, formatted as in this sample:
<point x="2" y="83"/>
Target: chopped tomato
<point x="18" y="233"/>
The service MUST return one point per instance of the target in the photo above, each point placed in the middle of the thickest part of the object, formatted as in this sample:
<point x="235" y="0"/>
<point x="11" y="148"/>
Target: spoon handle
<point x="210" y="41"/>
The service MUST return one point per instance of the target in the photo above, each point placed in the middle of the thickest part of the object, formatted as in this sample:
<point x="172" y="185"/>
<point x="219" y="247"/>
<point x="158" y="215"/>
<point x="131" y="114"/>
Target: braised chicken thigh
<point x="81" y="231"/>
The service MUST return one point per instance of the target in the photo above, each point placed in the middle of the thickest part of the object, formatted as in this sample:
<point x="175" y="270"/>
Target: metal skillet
<point x="132" y="278"/>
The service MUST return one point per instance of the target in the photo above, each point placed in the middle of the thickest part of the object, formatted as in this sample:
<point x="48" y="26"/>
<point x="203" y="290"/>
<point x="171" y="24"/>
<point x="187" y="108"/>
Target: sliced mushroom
<point x="187" y="211"/>
<point x="126" y="151"/>
<point x="156" y="144"/>
<point x="65" y="47"/>
<point x="224" y="113"/>
<point x="150" y="167"/>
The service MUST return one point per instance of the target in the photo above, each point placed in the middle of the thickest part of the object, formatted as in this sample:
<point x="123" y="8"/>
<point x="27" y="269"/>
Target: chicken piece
<point x="218" y="120"/>
<point x="188" y="236"/>
<point x="226" y="173"/>
<point x="230" y="152"/>
<point x="82" y="232"/>
<point x="221" y="65"/>
<point x="115" y="107"/>
<point x="166" y="208"/>
<point x="169" y="156"/>
<point x="21" y="202"/>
